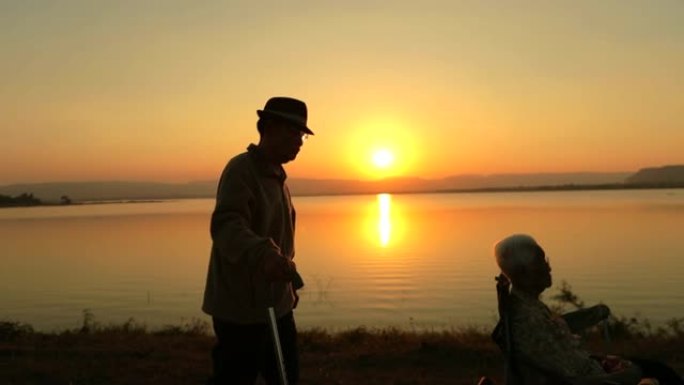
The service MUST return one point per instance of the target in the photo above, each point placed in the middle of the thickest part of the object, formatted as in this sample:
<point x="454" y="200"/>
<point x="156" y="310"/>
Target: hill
<point x="452" y="183"/>
<point x="667" y="176"/>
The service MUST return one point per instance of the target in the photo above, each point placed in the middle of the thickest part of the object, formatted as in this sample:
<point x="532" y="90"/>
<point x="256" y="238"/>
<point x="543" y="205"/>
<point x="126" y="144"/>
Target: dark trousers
<point x="661" y="372"/>
<point x="244" y="351"/>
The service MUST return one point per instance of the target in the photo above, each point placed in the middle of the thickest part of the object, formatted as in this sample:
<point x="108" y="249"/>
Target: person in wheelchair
<point x="542" y="346"/>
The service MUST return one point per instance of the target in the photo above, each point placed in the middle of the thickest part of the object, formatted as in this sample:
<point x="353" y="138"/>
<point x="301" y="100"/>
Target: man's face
<point x="539" y="271"/>
<point x="284" y="140"/>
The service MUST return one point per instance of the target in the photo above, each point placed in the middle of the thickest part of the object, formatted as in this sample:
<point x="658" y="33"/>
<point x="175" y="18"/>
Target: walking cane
<point x="276" y="345"/>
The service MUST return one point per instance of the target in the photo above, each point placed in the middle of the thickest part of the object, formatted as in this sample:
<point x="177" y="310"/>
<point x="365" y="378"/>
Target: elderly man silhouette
<point x="251" y="266"/>
<point x="544" y="346"/>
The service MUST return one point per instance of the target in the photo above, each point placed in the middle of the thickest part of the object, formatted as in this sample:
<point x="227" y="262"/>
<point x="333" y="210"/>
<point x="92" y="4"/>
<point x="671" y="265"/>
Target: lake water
<point x="410" y="261"/>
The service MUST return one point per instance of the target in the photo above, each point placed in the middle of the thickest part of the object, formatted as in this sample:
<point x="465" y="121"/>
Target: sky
<point x="168" y="90"/>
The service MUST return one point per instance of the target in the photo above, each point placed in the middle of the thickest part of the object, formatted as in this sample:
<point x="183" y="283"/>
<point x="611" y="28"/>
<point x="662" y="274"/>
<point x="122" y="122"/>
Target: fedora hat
<point x="287" y="109"/>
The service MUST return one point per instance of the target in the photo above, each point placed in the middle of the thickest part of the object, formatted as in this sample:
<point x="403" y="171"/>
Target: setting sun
<point x="383" y="145"/>
<point x="383" y="158"/>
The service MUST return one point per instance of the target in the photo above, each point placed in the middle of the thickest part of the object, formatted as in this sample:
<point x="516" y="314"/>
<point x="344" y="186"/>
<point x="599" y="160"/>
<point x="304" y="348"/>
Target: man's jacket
<point x="253" y="214"/>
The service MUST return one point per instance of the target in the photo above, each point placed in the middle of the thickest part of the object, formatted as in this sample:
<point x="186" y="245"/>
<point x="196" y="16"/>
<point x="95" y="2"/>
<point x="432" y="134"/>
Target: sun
<point x="383" y="158"/>
<point x="382" y="147"/>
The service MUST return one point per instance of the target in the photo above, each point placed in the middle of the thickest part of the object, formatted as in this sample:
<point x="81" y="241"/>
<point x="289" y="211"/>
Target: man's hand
<point x="628" y="374"/>
<point x="612" y="364"/>
<point x="278" y="268"/>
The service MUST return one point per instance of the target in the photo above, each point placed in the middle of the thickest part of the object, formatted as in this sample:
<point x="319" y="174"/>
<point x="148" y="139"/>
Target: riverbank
<point x="53" y="204"/>
<point x="130" y="354"/>
<point x="137" y="191"/>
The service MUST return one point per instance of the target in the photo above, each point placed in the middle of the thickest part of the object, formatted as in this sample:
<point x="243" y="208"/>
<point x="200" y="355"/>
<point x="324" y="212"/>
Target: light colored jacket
<point x="253" y="214"/>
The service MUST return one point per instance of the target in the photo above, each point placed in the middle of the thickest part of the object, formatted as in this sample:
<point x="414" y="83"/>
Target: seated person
<point x="543" y="344"/>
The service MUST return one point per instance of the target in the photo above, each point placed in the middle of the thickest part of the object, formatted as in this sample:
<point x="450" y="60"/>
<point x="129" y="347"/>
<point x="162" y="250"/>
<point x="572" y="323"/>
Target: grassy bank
<point x="132" y="354"/>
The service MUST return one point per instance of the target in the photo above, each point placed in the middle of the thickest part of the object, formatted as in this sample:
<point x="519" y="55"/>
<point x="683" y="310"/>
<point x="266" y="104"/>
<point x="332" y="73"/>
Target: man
<point x="251" y="267"/>
<point x="544" y="345"/>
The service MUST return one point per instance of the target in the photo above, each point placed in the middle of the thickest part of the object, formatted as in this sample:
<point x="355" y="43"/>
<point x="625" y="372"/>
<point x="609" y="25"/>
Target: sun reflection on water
<point x="384" y="225"/>
<point x="384" y="220"/>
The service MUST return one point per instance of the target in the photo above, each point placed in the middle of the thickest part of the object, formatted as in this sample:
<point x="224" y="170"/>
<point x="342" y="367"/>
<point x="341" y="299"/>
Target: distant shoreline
<point x="25" y="194"/>
<point x="549" y="188"/>
<point x="572" y="187"/>
<point x="90" y="202"/>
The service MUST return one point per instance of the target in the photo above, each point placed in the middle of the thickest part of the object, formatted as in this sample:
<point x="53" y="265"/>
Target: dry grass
<point x="130" y="354"/>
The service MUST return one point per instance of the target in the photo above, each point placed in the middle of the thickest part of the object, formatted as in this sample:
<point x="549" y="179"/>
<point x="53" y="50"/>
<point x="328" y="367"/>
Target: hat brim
<point x="279" y="116"/>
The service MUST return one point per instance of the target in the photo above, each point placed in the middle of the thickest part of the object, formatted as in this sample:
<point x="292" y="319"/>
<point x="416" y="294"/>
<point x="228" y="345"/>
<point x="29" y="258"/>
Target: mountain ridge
<point x="129" y="190"/>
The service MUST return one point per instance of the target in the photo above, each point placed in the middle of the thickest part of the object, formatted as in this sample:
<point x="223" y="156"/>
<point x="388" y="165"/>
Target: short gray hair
<point x="514" y="252"/>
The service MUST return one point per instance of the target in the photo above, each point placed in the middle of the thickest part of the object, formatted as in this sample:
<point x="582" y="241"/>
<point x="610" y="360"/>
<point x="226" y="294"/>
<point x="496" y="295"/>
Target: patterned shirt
<point x="545" y="340"/>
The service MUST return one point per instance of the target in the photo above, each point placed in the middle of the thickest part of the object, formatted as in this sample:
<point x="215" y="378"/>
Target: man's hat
<point x="288" y="109"/>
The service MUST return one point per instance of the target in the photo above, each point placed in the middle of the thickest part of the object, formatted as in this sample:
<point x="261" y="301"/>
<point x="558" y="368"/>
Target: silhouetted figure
<point x="543" y="345"/>
<point x="251" y="267"/>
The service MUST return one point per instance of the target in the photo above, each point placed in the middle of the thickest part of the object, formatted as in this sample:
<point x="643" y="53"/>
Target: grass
<point x="131" y="354"/>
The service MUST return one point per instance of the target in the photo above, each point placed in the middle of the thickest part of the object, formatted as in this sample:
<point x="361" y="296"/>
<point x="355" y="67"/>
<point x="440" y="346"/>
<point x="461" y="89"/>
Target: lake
<point x="415" y="261"/>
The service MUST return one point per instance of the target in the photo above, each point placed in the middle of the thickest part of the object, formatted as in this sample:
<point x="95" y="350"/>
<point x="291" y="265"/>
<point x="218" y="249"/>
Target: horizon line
<point x="330" y="179"/>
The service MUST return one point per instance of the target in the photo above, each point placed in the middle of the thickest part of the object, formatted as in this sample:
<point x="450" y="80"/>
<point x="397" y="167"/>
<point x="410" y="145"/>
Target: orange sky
<point x="167" y="91"/>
